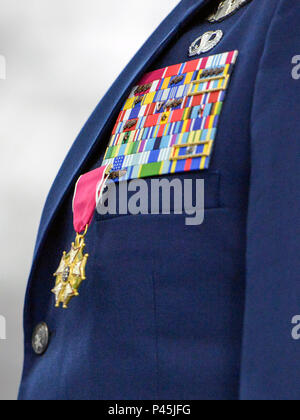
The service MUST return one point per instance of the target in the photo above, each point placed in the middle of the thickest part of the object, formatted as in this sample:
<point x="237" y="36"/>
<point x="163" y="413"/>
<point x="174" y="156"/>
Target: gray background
<point x="62" y="55"/>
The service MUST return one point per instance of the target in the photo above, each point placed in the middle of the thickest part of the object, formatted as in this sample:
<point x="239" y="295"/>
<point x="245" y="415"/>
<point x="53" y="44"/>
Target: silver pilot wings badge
<point x="227" y="8"/>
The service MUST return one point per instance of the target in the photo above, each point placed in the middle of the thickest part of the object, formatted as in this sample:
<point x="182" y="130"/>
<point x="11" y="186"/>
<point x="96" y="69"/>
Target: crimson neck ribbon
<point x="88" y="192"/>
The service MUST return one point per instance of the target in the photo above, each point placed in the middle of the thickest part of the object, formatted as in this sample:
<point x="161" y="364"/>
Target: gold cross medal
<point x="71" y="271"/>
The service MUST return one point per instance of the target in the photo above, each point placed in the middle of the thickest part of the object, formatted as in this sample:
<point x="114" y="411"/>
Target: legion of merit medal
<point x="71" y="271"/>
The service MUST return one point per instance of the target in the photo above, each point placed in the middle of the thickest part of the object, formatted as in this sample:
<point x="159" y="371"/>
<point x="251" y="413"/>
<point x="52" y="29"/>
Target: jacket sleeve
<point x="271" y="357"/>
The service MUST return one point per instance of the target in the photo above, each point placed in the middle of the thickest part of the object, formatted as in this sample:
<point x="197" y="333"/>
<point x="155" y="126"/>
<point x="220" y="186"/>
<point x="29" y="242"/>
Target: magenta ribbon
<point x="88" y="190"/>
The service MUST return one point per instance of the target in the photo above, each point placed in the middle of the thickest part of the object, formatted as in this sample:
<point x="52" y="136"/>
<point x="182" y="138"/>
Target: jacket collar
<point x="100" y="119"/>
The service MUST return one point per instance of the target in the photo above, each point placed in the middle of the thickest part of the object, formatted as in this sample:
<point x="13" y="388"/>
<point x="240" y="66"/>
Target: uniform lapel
<point x="101" y="117"/>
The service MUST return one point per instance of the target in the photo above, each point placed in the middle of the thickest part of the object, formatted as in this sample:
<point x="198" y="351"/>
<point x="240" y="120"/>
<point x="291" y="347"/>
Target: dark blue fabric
<point x="176" y="312"/>
<point x="271" y="364"/>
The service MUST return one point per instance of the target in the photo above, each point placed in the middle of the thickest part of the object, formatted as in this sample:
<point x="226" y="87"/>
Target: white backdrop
<point x="61" y="56"/>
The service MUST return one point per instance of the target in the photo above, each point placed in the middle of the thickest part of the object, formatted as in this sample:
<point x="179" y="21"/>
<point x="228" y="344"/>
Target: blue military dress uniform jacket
<point x="181" y="312"/>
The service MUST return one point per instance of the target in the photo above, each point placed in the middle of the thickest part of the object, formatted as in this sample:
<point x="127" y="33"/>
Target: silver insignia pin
<point x="205" y="42"/>
<point x="227" y="8"/>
